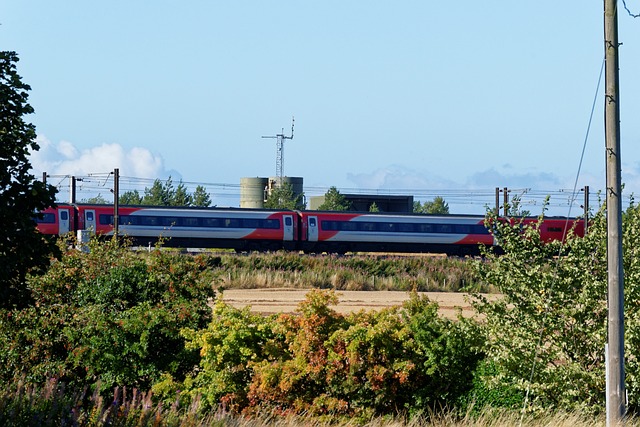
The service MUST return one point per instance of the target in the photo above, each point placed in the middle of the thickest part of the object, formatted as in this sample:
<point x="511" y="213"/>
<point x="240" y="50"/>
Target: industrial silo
<point x="252" y="192"/>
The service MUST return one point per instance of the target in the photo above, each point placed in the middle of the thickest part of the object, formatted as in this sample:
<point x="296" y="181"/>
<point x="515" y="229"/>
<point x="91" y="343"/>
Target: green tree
<point x="131" y="197"/>
<point x="334" y="201"/>
<point x="96" y="200"/>
<point x="283" y="197"/>
<point x="201" y="198"/>
<point x="515" y="209"/>
<point x="180" y="197"/>
<point x="22" y="248"/>
<point x="547" y="332"/>
<point x="159" y="194"/>
<point x="435" y="207"/>
<point x="374" y="207"/>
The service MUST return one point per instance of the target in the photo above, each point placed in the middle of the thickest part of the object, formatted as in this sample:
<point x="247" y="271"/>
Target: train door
<point x="64" y="221"/>
<point x="90" y="220"/>
<point x="288" y="228"/>
<point x="312" y="229"/>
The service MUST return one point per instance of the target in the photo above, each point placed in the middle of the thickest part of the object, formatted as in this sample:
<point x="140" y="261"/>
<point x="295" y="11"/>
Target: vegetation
<point x="22" y="248"/>
<point x="109" y="315"/>
<point x="112" y="318"/>
<point x="334" y="201"/>
<point x="435" y="207"/>
<point x="164" y="194"/>
<point x="366" y="272"/>
<point x="283" y="197"/>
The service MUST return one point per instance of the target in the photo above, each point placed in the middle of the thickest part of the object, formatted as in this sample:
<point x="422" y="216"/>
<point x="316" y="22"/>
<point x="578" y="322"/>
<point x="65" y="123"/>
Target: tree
<point x="374" y="207"/>
<point x="159" y="194"/>
<point x="131" y="197"/>
<point x="96" y="200"/>
<point x="201" y="198"/>
<point x="22" y="249"/>
<point x="283" y="197"/>
<point x="548" y="330"/>
<point x="334" y="201"/>
<point x="515" y="207"/>
<point x="436" y="207"/>
<point x="165" y="194"/>
<point x="180" y="197"/>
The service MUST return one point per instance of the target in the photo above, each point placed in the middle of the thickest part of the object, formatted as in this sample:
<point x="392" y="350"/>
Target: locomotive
<point x="244" y="229"/>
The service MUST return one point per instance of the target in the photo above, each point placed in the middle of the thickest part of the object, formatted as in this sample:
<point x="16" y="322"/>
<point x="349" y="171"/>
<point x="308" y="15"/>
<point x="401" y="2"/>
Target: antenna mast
<point x="280" y="151"/>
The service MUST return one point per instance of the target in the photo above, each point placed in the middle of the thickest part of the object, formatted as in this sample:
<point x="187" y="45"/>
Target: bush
<point x="317" y="361"/>
<point x="111" y="315"/>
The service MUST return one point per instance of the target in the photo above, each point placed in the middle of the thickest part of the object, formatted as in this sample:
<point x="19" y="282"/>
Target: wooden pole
<point x="615" y="278"/>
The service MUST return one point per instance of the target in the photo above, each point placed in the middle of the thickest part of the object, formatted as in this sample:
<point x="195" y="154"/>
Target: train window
<point x="128" y="220"/>
<point x="329" y="225"/>
<point x="250" y="223"/>
<point x="211" y="222"/>
<point x="425" y="228"/>
<point x="462" y="229"/>
<point x="368" y="226"/>
<point x="169" y="221"/>
<point x="232" y="223"/>
<point x="47" y="218"/>
<point x="64" y="215"/>
<point x="443" y="228"/>
<point x="349" y="226"/>
<point x="149" y="220"/>
<point x="106" y="219"/>
<point x="312" y="222"/>
<point x="271" y="223"/>
<point x="288" y="221"/>
<point x="89" y="215"/>
<point x="190" y="222"/>
<point x="405" y="228"/>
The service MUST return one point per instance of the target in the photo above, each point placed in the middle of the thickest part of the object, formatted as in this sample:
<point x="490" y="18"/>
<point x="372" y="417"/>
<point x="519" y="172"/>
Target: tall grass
<point x="362" y="272"/>
<point x="53" y="405"/>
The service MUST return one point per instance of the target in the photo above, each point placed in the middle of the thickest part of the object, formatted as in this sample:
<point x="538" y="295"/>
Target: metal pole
<point x="497" y="201"/>
<point x="116" y="201"/>
<point x="586" y="209"/>
<point x="506" y="202"/>
<point x="72" y="189"/>
<point x="615" y="278"/>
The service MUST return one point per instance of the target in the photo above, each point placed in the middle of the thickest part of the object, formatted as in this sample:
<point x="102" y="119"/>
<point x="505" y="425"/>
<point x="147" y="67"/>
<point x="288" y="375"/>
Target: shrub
<point x="111" y="315"/>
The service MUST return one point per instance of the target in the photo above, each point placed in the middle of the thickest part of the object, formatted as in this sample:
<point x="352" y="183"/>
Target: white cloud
<point x="64" y="158"/>
<point x="398" y="178"/>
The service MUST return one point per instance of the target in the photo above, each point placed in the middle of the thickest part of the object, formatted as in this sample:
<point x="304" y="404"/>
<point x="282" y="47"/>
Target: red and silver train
<point x="308" y="231"/>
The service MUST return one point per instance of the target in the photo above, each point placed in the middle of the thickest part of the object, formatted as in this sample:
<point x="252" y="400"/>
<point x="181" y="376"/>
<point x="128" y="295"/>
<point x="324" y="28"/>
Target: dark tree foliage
<point x="334" y="201"/>
<point x="165" y="194"/>
<point x="22" y="248"/>
<point x="283" y="197"/>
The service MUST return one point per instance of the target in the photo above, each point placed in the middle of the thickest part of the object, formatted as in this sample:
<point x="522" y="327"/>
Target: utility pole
<point x="615" y="279"/>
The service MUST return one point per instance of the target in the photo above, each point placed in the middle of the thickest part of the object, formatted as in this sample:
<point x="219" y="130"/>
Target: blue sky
<point x="427" y="98"/>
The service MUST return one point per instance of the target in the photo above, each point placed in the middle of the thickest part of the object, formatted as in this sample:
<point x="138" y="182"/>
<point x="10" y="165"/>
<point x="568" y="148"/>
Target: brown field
<point x="280" y="300"/>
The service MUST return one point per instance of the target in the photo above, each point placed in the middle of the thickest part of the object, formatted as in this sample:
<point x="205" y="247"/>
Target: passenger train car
<point x="308" y="231"/>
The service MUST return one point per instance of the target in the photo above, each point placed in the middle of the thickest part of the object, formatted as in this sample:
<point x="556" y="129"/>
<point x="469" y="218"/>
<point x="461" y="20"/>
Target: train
<point x="245" y="229"/>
